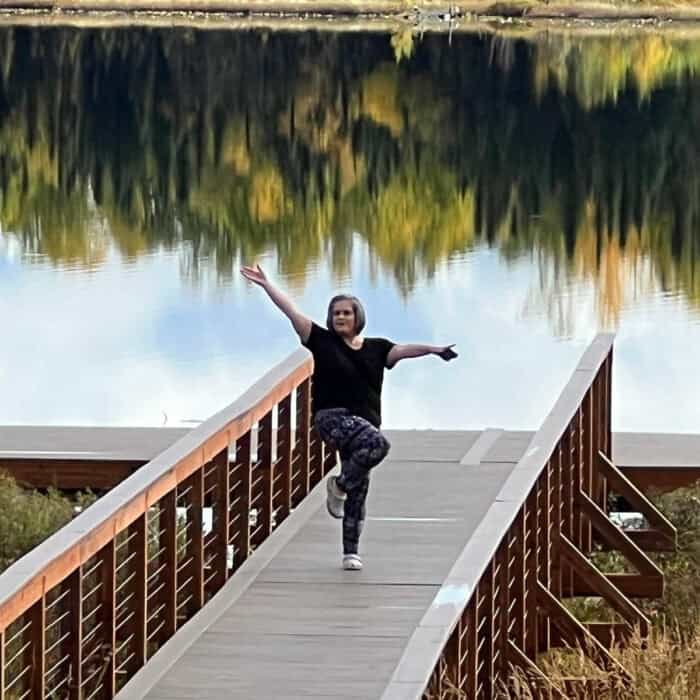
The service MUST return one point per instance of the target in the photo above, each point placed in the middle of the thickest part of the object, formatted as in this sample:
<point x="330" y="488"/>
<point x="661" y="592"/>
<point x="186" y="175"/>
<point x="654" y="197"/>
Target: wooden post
<point x="108" y="571"/>
<point x="221" y="518"/>
<point x="197" y="540"/>
<point x="266" y="468"/>
<point x="168" y="544"/>
<point x="75" y="648"/>
<point x="284" y="456"/>
<point x="37" y="615"/>
<point x="303" y="428"/>
<point x="472" y="680"/>
<point x="2" y="663"/>
<point x="139" y="545"/>
<point x="518" y="592"/>
<point x="240" y="512"/>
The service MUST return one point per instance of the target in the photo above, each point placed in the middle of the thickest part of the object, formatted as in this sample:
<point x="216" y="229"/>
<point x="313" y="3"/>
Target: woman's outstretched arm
<point x="403" y="352"/>
<point x="302" y="324"/>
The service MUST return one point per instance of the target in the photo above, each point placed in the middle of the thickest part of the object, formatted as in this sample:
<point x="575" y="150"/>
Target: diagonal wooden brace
<point x="519" y="658"/>
<point x="624" y="487"/>
<point x="602" y="586"/>
<point x="575" y="633"/>
<point x="616" y="538"/>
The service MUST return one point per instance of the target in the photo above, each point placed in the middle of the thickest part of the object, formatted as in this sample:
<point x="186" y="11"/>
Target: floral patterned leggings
<point x="361" y="447"/>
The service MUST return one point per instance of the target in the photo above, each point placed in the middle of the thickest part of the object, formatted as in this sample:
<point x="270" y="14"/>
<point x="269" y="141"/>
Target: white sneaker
<point x="352" y="562"/>
<point x="335" y="499"/>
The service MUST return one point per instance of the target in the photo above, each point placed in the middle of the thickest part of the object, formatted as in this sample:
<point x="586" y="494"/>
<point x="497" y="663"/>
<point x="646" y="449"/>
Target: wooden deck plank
<point x="304" y="627"/>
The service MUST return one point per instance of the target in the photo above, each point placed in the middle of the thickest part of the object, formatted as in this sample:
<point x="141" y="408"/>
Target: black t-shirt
<point x="347" y="378"/>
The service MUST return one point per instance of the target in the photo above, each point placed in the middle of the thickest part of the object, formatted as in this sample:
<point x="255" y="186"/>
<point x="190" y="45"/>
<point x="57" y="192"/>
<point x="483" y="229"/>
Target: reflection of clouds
<point x="124" y="344"/>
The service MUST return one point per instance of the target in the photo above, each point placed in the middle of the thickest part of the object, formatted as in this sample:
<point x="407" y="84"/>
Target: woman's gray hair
<point x="360" y="317"/>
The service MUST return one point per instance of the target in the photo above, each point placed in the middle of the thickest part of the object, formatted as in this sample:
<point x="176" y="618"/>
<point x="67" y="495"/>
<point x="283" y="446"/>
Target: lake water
<point x="509" y="196"/>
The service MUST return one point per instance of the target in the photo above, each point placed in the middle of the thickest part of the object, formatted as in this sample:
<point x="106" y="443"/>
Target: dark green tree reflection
<point x="583" y="150"/>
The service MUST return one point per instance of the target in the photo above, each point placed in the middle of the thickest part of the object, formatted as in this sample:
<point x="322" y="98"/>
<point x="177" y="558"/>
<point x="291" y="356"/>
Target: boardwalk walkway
<point x="302" y="627"/>
<point x="473" y="541"/>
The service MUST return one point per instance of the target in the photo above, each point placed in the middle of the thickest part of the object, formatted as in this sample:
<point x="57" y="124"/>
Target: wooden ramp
<point x="291" y="624"/>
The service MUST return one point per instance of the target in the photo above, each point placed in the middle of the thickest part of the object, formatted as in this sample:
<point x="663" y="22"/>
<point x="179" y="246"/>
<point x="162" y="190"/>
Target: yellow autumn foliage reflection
<point x="581" y="151"/>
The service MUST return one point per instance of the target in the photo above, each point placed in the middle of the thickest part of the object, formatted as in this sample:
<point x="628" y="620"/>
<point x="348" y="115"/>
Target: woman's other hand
<point x="447" y="353"/>
<point x="254" y="275"/>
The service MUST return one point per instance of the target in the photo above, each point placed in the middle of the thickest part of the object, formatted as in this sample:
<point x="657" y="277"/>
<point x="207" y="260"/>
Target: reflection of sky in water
<point x="130" y="344"/>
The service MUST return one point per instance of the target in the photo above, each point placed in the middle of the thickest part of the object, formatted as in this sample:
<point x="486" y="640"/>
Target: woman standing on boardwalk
<point x="346" y="393"/>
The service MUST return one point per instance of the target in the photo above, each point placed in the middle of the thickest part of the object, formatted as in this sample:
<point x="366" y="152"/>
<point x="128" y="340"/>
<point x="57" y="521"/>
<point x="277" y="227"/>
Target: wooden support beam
<point x="37" y="615"/>
<point x="265" y="467"/>
<point x="624" y="487"/>
<point x="197" y="540"/>
<point x="647" y="540"/>
<point x="2" y="663"/>
<point x="574" y="633"/>
<point x="629" y="585"/>
<point x="609" y="633"/>
<point x="518" y="658"/>
<point x="602" y="585"/>
<point x="168" y="543"/>
<point x="284" y="457"/>
<point x="75" y="646"/>
<point x="616" y="537"/>
<point x="139" y="546"/>
<point x="108" y="565"/>
<point x="240" y="511"/>
<point x="221" y="522"/>
<point x="303" y="427"/>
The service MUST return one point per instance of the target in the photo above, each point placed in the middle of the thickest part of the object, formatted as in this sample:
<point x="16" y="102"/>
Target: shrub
<point x="28" y="517"/>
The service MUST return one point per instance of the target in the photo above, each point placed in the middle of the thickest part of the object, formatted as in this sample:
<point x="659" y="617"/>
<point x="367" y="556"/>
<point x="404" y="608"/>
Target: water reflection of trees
<point x="583" y="150"/>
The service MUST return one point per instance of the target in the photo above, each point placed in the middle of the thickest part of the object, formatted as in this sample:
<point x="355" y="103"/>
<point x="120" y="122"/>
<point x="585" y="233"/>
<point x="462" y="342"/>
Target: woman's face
<point x="344" y="318"/>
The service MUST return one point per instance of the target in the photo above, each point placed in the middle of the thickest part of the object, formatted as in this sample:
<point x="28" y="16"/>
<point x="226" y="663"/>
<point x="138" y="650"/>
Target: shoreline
<point x="355" y="15"/>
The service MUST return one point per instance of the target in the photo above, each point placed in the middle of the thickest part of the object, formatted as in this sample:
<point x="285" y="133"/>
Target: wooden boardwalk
<point x="472" y="542"/>
<point x="291" y="624"/>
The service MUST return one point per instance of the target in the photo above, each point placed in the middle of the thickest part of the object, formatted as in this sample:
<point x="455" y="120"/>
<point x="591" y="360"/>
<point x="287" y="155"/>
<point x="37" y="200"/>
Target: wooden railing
<point x="530" y="551"/>
<point x="81" y="613"/>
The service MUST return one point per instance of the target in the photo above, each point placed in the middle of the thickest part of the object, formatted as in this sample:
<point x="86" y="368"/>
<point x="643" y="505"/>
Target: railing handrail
<point x="25" y="581"/>
<point x="474" y="559"/>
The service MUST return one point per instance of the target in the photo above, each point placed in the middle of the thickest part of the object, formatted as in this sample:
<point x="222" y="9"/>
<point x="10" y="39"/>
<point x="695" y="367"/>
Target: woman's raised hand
<point x="447" y="353"/>
<point x="254" y="275"/>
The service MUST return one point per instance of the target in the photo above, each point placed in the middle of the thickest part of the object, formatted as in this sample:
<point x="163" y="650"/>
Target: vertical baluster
<point x="196" y="498"/>
<point x="37" y="615"/>
<point x="265" y="466"/>
<point x="168" y="544"/>
<point x="108" y="602"/>
<point x="545" y="544"/>
<point x="503" y="557"/>
<point x="531" y="645"/>
<point x="139" y="546"/>
<point x="472" y="679"/>
<point x="2" y="663"/>
<point x="240" y="513"/>
<point x="607" y="374"/>
<point x="556" y="574"/>
<point x="489" y="629"/>
<point x="315" y="457"/>
<point x="518" y="590"/>
<point x="221" y="525"/>
<point x="284" y="457"/>
<point x="75" y="640"/>
<point x="303" y="427"/>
